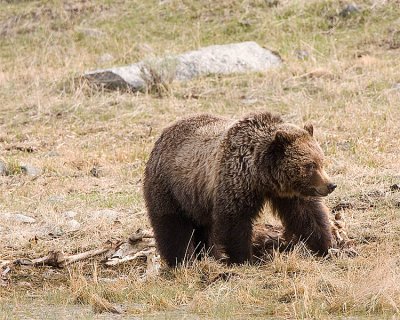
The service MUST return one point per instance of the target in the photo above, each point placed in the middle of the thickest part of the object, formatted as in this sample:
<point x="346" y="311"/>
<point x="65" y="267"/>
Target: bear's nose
<point x="331" y="187"/>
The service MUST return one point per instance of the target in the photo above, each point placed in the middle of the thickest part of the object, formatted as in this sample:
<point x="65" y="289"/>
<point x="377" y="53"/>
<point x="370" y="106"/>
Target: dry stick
<point x="140" y="254"/>
<point x="140" y="244"/>
<point x="85" y="255"/>
<point x="139" y="235"/>
<point x="266" y="239"/>
<point x="58" y="260"/>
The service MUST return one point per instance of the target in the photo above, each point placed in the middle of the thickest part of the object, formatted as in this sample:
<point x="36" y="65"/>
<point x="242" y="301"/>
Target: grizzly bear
<point x="208" y="178"/>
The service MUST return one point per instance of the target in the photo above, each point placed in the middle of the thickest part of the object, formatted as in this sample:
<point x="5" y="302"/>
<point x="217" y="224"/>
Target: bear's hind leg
<point x="201" y="241"/>
<point x="173" y="230"/>
<point x="174" y="238"/>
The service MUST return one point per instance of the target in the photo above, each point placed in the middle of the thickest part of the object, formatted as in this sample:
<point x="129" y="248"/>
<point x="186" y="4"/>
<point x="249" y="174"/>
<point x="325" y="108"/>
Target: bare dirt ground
<point x="88" y="148"/>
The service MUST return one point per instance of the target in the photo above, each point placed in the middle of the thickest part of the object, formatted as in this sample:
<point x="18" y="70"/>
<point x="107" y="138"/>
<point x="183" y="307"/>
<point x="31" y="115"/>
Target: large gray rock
<point x="219" y="59"/>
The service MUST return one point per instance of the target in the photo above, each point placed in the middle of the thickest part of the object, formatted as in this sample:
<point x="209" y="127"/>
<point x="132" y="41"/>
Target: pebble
<point x="302" y="54"/>
<point x="72" y="225"/>
<point x="31" y="170"/>
<point x="16" y="217"/>
<point x="105" y="214"/>
<point x="349" y="9"/>
<point x="3" y="169"/>
<point x="395" y="187"/>
<point x="56" y="198"/>
<point x="92" y="32"/>
<point x="52" y="153"/>
<point x="70" y="214"/>
<point x="396" y="86"/>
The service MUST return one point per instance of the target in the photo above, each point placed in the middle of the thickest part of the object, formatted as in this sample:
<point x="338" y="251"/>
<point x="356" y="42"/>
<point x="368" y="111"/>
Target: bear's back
<point x="189" y="156"/>
<point x="185" y="160"/>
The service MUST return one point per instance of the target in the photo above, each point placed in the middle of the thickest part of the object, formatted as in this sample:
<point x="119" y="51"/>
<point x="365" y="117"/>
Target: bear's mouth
<point x="319" y="194"/>
<point x="314" y="192"/>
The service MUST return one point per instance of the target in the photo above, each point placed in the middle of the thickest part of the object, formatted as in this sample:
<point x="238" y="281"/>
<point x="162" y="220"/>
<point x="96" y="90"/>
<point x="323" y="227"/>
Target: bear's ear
<point x="284" y="137"/>
<point x="309" y="128"/>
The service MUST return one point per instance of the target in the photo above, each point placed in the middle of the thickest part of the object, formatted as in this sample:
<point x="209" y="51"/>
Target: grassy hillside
<point x="341" y="72"/>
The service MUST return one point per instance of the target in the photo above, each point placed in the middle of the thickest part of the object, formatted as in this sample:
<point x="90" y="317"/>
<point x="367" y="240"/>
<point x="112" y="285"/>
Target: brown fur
<point x="208" y="178"/>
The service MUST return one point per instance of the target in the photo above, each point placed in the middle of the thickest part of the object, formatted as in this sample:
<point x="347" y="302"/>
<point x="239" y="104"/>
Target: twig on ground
<point x="141" y="247"/>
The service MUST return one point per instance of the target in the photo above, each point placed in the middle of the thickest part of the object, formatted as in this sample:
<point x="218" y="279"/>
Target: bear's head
<point x="296" y="163"/>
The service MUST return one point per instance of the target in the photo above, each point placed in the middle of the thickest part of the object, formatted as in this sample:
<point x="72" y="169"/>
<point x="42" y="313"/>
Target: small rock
<point x="25" y="284"/>
<point x="249" y="101"/>
<point x="56" y="199"/>
<point x="105" y="214"/>
<point x="396" y="86"/>
<point x="70" y="214"/>
<point x="95" y="172"/>
<point x="31" y="170"/>
<point x="107" y="280"/>
<point x="245" y="23"/>
<point x="271" y="3"/>
<point x="72" y="225"/>
<point x="349" y="9"/>
<point x="56" y="231"/>
<point x="92" y="32"/>
<point x="49" y="273"/>
<point x="395" y="187"/>
<point x="51" y="154"/>
<point x="302" y="54"/>
<point x="3" y="169"/>
<point x="338" y="216"/>
<point x="16" y="217"/>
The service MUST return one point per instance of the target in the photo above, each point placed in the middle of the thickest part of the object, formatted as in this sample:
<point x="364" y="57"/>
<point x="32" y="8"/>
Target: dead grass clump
<point x="13" y="167"/>
<point x="57" y="17"/>
<point x="371" y="291"/>
<point x="158" y="75"/>
<point x="381" y="293"/>
<point x="90" y="292"/>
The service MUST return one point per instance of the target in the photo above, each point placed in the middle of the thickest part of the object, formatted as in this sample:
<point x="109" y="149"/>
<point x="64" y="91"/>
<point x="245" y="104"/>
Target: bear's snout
<point x="323" y="191"/>
<point x="331" y="187"/>
<point x="323" y="185"/>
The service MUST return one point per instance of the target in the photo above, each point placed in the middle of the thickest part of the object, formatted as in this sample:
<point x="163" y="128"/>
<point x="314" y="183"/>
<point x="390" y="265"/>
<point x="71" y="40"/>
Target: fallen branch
<point x="141" y="248"/>
<point x="57" y="259"/>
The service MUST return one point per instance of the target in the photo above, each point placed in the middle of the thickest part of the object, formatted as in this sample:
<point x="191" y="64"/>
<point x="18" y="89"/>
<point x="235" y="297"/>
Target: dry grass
<point x="345" y="86"/>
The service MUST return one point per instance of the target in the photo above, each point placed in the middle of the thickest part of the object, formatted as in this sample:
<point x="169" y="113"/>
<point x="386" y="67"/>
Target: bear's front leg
<point x="305" y="219"/>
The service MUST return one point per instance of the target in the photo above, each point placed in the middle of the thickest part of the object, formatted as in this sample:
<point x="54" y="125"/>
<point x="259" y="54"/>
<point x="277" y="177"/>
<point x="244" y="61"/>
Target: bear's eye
<point x="311" y="166"/>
